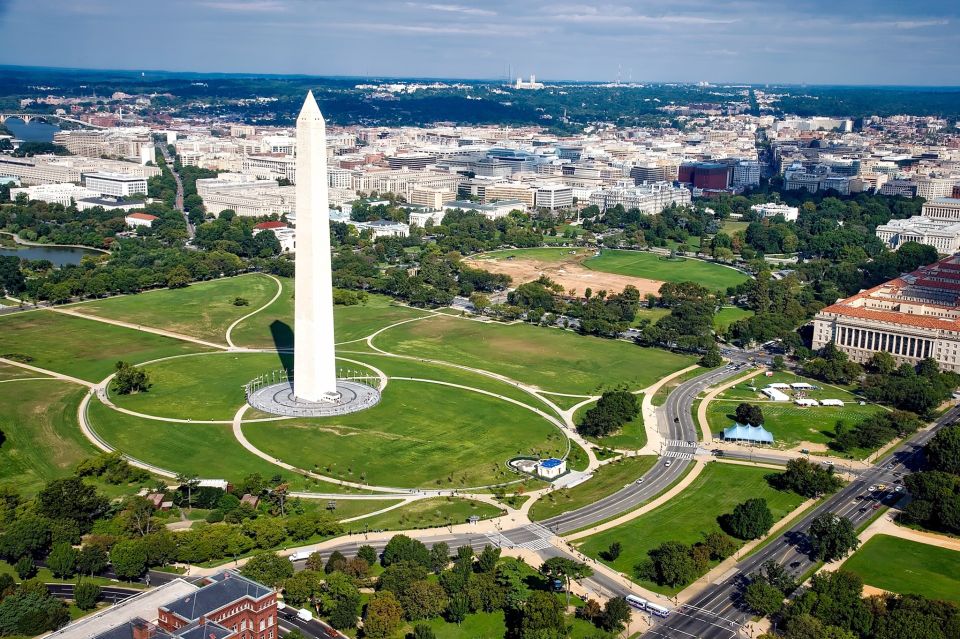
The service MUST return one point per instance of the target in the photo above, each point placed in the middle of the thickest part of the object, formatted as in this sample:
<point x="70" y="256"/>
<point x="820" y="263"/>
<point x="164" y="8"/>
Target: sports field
<point x="79" y="347"/>
<point x="657" y="267"/>
<point x="689" y="515"/>
<point x="540" y="254"/>
<point x="203" y="310"/>
<point x="908" y="567"/>
<point x="43" y="440"/>
<point x="553" y="360"/>
<point x="607" y="480"/>
<point x="421" y="434"/>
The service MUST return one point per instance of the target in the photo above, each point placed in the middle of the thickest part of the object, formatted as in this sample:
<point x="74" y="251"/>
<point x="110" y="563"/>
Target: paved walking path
<point x="702" y="408"/>
<point x="252" y="313"/>
<point x="44" y="371"/>
<point x="137" y="327"/>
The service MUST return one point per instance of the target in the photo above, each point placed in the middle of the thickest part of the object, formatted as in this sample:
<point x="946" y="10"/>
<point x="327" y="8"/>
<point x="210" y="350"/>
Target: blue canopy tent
<point x="754" y="434"/>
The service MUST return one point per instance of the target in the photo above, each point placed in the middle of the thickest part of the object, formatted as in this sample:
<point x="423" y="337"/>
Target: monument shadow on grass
<point x="283" y="339"/>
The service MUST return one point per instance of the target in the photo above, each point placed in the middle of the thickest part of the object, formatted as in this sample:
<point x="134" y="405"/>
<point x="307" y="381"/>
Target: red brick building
<point x="243" y="606"/>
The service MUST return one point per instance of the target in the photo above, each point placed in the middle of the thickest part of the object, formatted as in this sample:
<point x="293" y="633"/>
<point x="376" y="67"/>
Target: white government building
<point x="938" y="225"/>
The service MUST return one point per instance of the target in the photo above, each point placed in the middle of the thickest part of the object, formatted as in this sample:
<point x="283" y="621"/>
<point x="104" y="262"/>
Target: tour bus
<point x="300" y="556"/>
<point x="637" y="602"/>
<point x="659" y="611"/>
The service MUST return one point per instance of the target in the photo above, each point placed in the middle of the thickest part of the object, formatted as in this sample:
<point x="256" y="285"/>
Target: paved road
<point x="178" y="203"/>
<point x="717" y="612"/>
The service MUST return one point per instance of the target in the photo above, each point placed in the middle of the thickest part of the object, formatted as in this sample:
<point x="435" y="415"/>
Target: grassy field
<point x="908" y="567"/>
<point x="9" y="371"/>
<point x="426" y="513"/>
<point x="82" y="348"/>
<point x="689" y="515"/>
<point x="607" y="480"/>
<point x="728" y="315"/>
<point x="554" y="360"/>
<point x="203" y="310"/>
<point x="273" y="326"/>
<point x="203" y="387"/>
<point x="630" y="437"/>
<point x="791" y="424"/>
<point x="420" y="434"/>
<point x="660" y="397"/>
<point x="656" y="267"/>
<point x="43" y="439"/>
<point x="652" y="314"/>
<point x="732" y="226"/>
<point x="542" y="254"/>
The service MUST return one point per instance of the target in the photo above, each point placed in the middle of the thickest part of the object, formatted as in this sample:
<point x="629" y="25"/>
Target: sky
<point x="798" y="41"/>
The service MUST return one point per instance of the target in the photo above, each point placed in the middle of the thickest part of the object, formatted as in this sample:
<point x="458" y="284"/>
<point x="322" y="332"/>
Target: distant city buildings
<point x="772" y="209"/>
<point x="648" y="198"/>
<point x="938" y="225"/>
<point x="47" y="169"/>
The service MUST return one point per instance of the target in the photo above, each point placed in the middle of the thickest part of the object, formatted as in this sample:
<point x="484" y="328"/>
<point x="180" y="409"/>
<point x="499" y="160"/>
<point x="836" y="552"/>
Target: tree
<point x="130" y="379"/>
<point x="480" y="302"/>
<point x="749" y="520"/>
<point x="749" y="414"/>
<point x="612" y="411"/>
<point x="423" y="631"/>
<point x="85" y="595"/>
<point x="832" y="537"/>
<point x="25" y="568"/>
<point x="565" y="570"/>
<point x="457" y="608"/>
<point x="611" y="553"/>
<point x="807" y="479"/>
<point x="487" y="559"/>
<point x="268" y="568"/>
<point x="720" y="545"/>
<point x="615" y="614"/>
<point x="762" y="598"/>
<point x="400" y="577"/>
<point x="92" y="560"/>
<point x="403" y="548"/>
<point x="71" y="498"/>
<point x="671" y="564"/>
<point x="62" y="560"/>
<point x="778" y="363"/>
<point x="712" y="358"/>
<point x="129" y="558"/>
<point x="336" y="562"/>
<point x="439" y="557"/>
<point x="882" y="363"/>
<point x="542" y="617"/>
<point x="27" y="535"/>
<point x="368" y="554"/>
<point x="31" y="612"/>
<point x="943" y="451"/>
<point x="423" y="600"/>
<point x="383" y="616"/>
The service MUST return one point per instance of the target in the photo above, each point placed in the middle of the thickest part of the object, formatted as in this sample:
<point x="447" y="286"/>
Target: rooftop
<point x="553" y="462"/>
<point x="226" y="587"/>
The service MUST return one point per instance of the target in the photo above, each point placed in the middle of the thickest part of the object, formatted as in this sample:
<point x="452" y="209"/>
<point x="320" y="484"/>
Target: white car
<point x="872" y="488"/>
<point x="668" y="463"/>
<point x="639" y="481"/>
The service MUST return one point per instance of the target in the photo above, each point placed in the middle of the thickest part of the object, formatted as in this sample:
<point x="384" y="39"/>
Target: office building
<point x="115" y="184"/>
<point x="554" y="197"/>
<point x="430" y="198"/>
<point x="746" y="173"/>
<point x="912" y="317"/>
<point x="412" y="161"/>
<point x="772" y="209"/>
<point x="938" y="225"/>
<point x="648" y="198"/>
<point x="711" y="176"/>
<point x="510" y="191"/>
<point x="246" y="195"/>
<point x="46" y="169"/>
<point x="65" y="194"/>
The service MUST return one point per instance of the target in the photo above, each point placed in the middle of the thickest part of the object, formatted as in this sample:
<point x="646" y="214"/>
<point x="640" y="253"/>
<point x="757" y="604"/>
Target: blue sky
<point x="811" y="41"/>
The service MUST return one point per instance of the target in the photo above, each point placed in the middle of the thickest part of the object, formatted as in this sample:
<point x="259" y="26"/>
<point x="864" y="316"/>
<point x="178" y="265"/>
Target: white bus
<point x="637" y="602"/>
<point x="659" y="611"/>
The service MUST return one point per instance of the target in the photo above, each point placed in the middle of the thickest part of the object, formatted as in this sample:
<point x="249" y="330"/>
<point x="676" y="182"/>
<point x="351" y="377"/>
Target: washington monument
<point x="315" y="370"/>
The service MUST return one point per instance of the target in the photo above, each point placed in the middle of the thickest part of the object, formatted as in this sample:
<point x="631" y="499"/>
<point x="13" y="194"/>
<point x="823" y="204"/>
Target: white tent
<point x="806" y="402"/>
<point x="831" y="402"/>
<point x="774" y="394"/>
<point x="801" y="386"/>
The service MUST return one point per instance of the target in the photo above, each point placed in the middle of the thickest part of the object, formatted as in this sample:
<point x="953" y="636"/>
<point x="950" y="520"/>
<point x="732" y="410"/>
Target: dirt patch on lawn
<point x="569" y="273"/>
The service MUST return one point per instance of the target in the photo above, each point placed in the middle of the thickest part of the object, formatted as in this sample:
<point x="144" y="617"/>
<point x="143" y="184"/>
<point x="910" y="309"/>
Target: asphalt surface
<point x="178" y="202"/>
<point x="717" y="613"/>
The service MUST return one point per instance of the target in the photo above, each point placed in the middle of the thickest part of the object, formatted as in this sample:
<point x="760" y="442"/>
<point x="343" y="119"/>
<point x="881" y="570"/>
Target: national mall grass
<point x="657" y="267"/>
<point x="421" y="434"/>
<point x="79" y="347"/>
<point x="203" y="310"/>
<point x="689" y="515"/>
<point x="908" y="567"/>
<point x="550" y="359"/>
<point x="606" y="480"/>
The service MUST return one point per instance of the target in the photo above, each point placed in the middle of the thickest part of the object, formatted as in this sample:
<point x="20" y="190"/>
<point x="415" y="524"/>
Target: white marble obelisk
<point x="315" y="370"/>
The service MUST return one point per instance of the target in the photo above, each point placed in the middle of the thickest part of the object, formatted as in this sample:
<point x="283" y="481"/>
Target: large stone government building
<point x="911" y="317"/>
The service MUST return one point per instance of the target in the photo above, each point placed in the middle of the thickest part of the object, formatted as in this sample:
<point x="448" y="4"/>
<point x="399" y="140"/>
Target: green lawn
<point x="420" y="434"/>
<point x="43" y="439"/>
<point x="656" y="267"/>
<point x="689" y="515"/>
<point x="9" y="371"/>
<point x="209" y="451"/>
<point x="44" y="575"/>
<point x="652" y="314"/>
<point x="631" y="436"/>
<point x="273" y="327"/>
<point x="908" y="567"/>
<point x="203" y="310"/>
<point x="791" y="424"/>
<point x="542" y="254"/>
<point x="553" y="360"/>
<point x="732" y="226"/>
<point x="82" y="348"/>
<point x="607" y="480"/>
<point x="203" y="387"/>
<point x="728" y="315"/>
<point x="426" y="513"/>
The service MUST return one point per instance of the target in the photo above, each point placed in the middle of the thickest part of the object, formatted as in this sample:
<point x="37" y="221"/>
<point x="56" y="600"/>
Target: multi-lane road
<point x="717" y="612"/>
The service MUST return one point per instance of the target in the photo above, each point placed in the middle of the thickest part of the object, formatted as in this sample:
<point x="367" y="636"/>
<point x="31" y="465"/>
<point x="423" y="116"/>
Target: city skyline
<point x="859" y="43"/>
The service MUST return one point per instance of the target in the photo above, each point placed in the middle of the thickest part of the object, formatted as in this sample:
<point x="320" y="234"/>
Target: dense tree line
<point x="613" y="410"/>
<point x="935" y="492"/>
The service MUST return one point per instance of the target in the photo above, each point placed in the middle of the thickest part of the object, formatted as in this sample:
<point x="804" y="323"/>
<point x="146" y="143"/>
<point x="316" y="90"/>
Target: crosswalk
<point x="530" y="537"/>
<point x="679" y="443"/>
<point x="678" y="454"/>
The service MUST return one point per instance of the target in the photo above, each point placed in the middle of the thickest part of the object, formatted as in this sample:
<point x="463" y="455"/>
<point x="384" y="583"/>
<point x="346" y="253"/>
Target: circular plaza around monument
<point x="279" y="399"/>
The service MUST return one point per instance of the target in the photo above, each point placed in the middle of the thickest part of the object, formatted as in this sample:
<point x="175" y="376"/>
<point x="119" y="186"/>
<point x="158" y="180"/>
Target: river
<point x="59" y="255"/>
<point x="36" y="131"/>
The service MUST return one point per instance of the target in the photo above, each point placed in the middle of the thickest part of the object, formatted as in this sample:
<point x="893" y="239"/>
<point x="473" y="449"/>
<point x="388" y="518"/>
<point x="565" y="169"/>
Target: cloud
<point x="246" y="6"/>
<point x="623" y="15"/>
<point x="452" y="8"/>
<point x="418" y="29"/>
<point x="901" y="24"/>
